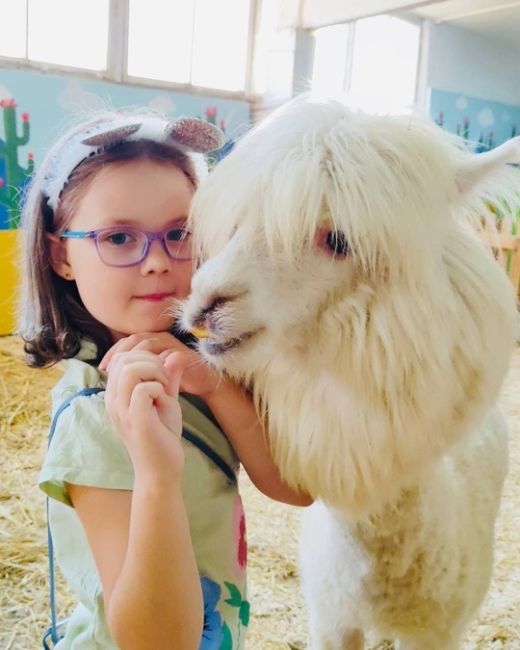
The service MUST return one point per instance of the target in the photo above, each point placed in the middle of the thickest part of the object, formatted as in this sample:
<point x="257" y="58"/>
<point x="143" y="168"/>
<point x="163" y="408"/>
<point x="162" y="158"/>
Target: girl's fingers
<point x="156" y="342"/>
<point x="121" y="346"/>
<point x="136" y="366"/>
<point x="137" y="373"/>
<point x="175" y="364"/>
<point x="143" y="400"/>
<point x="149" y="400"/>
<point x="134" y="341"/>
<point x="165" y="354"/>
<point x="121" y="359"/>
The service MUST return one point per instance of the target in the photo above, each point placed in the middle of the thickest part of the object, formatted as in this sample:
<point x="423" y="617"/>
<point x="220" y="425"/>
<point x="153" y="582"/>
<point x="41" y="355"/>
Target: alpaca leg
<point x="353" y="640"/>
<point x="349" y="640"/>
<point x="330" y="583"/>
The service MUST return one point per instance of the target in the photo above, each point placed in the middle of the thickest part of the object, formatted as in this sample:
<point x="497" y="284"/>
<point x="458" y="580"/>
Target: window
<point x="13" y="25"/>
<point x="329" y="74"/>
<point x="168" y="55"/>
<point x="384" y="64"/>
<point x="374" y="61"/>
<point x="205" y="43"/>
<point x="273" y="62"/>
<point x="56" y="31"/>
<point x="202" y="42"/>
<point x="68" y="33"/>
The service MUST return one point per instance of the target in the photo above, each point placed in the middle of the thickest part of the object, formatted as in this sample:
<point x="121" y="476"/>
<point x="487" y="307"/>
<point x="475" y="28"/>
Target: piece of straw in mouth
<point x="200" y="332"/>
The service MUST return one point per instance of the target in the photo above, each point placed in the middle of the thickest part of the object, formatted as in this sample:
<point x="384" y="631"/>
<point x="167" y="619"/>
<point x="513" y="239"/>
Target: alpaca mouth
<point x="216" y="348"/>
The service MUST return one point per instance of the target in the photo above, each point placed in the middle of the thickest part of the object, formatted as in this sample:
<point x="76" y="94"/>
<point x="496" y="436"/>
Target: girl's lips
<point x="154" y="297"/>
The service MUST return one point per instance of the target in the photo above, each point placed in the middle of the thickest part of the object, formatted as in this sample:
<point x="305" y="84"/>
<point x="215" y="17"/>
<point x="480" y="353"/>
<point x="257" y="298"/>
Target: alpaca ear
<point x="484" y="165"/>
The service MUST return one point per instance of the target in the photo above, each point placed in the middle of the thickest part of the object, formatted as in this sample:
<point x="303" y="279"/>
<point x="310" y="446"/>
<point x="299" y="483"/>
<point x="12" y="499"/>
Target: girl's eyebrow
<point x="134" y="224"/>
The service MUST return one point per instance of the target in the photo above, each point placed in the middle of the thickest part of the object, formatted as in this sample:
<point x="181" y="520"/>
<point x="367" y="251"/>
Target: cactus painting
<point x="13" y="177"/>
<point x="483" y="123"/>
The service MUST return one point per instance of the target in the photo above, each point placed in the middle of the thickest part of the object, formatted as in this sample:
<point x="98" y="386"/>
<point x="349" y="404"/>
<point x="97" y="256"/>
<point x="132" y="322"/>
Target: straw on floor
<point x="278" y="618"/>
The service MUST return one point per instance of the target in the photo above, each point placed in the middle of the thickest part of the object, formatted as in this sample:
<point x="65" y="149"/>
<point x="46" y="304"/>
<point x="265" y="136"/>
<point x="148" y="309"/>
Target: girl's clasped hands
<point x="146" y="372"/>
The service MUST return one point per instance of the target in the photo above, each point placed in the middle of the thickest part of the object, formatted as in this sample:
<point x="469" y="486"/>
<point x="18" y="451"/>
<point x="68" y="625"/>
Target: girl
<point x="148" y="527"/>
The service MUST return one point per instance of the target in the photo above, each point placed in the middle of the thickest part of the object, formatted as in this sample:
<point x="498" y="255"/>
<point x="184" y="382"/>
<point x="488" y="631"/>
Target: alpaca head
<point x="341" y="280"/>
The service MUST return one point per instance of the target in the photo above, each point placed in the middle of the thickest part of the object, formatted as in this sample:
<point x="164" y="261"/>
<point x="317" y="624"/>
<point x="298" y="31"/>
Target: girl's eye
<point x="177" y="234"/>
<point x="120" y="238"/>
<point x="337" y="242"/>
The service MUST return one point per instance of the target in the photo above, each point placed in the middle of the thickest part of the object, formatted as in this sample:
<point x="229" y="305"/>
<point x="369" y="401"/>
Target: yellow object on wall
<point x="9" y="278"/>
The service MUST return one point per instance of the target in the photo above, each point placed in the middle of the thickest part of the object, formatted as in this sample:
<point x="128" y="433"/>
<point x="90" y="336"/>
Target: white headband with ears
<point x="188" y="134"/>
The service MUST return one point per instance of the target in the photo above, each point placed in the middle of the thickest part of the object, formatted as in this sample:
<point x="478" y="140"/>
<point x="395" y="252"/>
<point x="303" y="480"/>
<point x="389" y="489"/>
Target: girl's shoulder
<point x="83" y="445"/>
<point x="78" y="375"/>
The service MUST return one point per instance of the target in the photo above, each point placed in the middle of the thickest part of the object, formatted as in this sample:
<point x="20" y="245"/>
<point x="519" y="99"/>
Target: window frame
<point x="422" y="53"/>
<point x="117" y="59"/>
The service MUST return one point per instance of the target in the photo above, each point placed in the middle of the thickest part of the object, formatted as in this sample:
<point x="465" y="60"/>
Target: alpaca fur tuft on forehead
<point x="385" y="183"/>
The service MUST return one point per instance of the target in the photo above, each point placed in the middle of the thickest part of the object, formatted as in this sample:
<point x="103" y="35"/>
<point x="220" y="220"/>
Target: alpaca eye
<point x="336" y="241"/>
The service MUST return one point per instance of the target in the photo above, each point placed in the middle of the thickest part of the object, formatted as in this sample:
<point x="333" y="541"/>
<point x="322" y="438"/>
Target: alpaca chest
<point x="397" y="571"/>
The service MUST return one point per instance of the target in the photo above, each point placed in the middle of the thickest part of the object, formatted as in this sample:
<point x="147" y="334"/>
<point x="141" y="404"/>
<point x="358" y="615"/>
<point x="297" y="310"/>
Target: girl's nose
<point x="157" y="259"/>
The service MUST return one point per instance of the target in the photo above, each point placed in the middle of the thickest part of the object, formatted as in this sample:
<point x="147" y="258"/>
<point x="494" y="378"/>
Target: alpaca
<point x="343" y="284"/>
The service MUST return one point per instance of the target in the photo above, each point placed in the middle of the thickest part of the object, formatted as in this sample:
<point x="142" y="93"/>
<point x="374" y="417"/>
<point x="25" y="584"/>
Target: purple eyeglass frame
<point x="151" y="236"/>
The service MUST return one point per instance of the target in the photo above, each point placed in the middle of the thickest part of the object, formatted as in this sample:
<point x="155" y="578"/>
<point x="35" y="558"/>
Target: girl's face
<point x="128" y="300"/>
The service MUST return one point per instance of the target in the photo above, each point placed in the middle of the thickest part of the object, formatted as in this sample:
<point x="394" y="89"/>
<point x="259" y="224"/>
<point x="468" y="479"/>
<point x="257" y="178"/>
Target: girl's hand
<point x="198" y="378"/>
<point x="142" y="401"/>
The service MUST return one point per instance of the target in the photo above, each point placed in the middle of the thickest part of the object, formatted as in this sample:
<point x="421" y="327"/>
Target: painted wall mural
<point x="35" y="108"/>
<point x="13" y="177"/>
<point x="484" y="123"/>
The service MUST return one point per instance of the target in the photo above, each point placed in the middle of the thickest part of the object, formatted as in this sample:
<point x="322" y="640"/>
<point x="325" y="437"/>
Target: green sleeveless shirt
<point x="86" y="450"/>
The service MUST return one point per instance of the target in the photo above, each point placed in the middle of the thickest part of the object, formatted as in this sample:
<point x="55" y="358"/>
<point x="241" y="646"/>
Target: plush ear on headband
<point x="114" y="135"/>
<point x="195" y="134"/>
<point x="189" y="132"/>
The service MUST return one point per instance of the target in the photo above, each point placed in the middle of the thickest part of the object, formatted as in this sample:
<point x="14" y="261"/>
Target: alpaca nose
<point x="203" y="322"/>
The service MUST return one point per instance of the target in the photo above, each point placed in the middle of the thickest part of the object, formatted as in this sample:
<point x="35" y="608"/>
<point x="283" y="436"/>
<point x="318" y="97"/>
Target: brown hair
<point x="52" y="319"/>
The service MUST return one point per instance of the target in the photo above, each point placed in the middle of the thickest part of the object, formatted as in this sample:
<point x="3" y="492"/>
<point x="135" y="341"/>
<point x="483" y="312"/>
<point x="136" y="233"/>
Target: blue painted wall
<point x="485" y="123"/>
<point x="54" y="102"/>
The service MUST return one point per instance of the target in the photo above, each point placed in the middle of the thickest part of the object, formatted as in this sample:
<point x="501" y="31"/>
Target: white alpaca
<point x="344" y="284"/>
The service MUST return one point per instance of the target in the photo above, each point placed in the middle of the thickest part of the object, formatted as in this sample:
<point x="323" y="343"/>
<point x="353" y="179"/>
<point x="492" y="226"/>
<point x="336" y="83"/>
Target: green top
<point x="86" y="450"/>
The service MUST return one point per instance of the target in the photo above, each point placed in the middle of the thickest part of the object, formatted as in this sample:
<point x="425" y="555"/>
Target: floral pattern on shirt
<point x="216" y="635"/>
<point x="239" y="524"/>
<point x="212" y="634"/>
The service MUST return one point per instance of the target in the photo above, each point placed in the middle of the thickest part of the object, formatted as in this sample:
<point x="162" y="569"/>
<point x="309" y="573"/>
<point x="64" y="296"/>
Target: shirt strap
<point x="56" y="630"/>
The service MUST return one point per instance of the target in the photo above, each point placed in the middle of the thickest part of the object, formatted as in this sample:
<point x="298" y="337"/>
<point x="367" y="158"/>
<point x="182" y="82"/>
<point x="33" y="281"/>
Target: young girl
<point x="148" y="527"/>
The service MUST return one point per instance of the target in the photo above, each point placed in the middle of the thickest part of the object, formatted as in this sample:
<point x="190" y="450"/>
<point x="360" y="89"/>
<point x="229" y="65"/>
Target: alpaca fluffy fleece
<point x="377" y="367"/>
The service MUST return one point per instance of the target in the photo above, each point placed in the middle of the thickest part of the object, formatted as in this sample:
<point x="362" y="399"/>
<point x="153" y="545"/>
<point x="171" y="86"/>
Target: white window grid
<point x="421" y="71"/>
<point x="117" y="59"/>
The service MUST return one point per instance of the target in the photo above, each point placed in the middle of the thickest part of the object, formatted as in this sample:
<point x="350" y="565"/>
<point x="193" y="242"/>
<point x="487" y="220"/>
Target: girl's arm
<point x="239" y="420"/>
<point x="142" y="548"/>
<point x="232" y="408"/>
<point x="140" y="540"/>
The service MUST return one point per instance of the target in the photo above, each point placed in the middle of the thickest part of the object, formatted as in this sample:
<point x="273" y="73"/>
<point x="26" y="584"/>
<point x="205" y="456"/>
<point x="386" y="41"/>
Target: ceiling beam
<point x="311" y="14"/>
<point x="477" y="12"/>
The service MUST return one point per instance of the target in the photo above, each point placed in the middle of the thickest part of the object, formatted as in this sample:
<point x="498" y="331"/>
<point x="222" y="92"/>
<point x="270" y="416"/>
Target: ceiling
<point x="492" y="18"/>
<point x="498" y="19"/>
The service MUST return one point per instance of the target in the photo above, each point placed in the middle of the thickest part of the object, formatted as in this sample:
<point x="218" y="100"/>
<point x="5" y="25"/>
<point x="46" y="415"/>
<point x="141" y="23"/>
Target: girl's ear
<point x="58" y="257"/>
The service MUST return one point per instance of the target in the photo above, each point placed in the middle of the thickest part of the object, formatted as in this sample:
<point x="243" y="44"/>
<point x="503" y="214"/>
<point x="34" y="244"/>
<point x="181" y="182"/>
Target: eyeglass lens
<point x="125" y="246"/>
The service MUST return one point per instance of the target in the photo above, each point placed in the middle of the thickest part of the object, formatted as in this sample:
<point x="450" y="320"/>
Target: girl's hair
<point x="53" y="320"/>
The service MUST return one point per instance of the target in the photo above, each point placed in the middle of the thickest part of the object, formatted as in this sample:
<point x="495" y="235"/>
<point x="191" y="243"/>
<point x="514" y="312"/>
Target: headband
<point x="188" y="134"/>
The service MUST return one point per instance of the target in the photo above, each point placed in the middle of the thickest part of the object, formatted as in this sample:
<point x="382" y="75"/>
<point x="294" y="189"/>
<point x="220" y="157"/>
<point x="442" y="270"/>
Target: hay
<point x="278" y="618"/>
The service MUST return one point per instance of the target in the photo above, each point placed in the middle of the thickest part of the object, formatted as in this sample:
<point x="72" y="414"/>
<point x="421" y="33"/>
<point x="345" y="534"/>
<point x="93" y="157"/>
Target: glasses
<point x="126" y="246"/>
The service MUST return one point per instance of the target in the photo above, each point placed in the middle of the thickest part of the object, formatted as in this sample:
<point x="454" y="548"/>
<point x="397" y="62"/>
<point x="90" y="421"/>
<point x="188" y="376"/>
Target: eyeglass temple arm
<point x="77" y="234"/>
